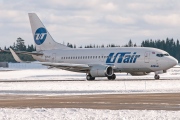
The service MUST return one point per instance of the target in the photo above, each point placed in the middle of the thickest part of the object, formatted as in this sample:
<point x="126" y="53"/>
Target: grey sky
<point x="83" y="22"/>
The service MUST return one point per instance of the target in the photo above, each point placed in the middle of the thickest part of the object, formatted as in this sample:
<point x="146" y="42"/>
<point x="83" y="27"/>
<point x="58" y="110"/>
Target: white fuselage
<point x="123" y="59"/>
<point x="102" y="62"/>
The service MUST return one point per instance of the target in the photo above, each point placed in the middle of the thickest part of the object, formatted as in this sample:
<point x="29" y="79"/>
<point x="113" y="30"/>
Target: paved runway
<point x="159" y="101"/>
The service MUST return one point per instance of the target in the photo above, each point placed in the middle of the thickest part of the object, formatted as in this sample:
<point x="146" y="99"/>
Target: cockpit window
<point x="159" y="55"/>
<point x="166" y="54"/>
<point x="162" y="55"/>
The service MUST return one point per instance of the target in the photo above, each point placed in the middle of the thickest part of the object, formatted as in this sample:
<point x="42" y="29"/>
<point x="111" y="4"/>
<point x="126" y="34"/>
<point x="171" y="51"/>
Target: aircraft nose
<point x="173" y="61"/>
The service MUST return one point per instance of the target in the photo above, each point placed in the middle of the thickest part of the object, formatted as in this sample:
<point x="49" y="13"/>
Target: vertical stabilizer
<point x="42" y="38"/>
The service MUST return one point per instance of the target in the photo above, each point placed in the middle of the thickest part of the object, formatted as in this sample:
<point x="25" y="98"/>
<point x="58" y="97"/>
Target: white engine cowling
<point x="101" y="71"/>
<point x="139" y="73"/>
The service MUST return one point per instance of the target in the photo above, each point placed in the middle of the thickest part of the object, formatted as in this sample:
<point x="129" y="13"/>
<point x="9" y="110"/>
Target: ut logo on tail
<point x="40" y="36"/>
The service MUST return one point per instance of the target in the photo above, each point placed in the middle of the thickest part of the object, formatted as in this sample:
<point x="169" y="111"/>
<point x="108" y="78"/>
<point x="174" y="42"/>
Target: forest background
<point x="169" y="45"/>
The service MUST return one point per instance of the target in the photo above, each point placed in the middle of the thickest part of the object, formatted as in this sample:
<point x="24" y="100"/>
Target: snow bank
<point x="85" y="114"/>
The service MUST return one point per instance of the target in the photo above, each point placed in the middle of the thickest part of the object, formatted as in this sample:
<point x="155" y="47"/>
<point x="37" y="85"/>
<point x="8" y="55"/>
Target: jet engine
<point x="101" y="71"/>
<point x="139" y="73"/>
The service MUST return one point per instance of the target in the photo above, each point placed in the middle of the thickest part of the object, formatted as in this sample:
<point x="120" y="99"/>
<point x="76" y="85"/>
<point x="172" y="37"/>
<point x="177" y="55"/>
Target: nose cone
<point x="173" y="61"/>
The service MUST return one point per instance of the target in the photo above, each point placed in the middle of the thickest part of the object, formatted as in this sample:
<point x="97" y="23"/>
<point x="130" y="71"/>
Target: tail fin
<point x="42" y="38"/>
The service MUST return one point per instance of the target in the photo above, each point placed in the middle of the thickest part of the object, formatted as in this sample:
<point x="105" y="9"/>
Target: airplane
<point x="95" y="62"/>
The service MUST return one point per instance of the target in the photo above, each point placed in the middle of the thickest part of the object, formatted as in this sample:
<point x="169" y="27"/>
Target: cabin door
<point x="146" y="57"/>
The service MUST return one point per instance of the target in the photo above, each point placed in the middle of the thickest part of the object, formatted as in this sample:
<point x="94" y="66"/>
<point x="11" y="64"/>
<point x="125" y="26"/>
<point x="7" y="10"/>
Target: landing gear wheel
<point x="92" y="78"/>
<point x="156" y="77"/>
<point x="109" y="77"/>
<point x="89" y="77"/>
<point x="113" y="77"/>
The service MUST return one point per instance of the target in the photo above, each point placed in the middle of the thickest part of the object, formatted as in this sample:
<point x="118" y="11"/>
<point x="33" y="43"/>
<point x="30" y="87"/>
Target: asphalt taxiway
<point x="152" y="101"/>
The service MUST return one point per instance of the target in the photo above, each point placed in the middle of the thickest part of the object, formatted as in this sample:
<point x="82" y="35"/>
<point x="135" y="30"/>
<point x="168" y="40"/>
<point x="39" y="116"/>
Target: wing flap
<point x="70" y="65"/>
<point x="67" y="66"/>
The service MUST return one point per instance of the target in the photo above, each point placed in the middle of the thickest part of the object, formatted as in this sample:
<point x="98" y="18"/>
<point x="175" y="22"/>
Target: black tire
<point x="113" y="77"/>
<point x="89" y="77"/>
<point x="109" y="77"/>
<point x="156" y="77"/>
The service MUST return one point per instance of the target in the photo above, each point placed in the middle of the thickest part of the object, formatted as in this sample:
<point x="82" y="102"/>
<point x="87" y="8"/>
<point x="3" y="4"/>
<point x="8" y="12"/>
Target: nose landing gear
<point x="156" y="77"/>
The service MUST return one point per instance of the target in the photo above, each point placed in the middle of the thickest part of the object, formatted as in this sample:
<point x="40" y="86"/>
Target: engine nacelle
<point x="101" y="71"/>
<point x="139" y="73"/>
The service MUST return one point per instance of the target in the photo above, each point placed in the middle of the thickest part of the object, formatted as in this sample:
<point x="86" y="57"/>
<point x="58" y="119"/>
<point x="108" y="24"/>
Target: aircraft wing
<point x="64" y="66"/>
<point x="68" y="66"/>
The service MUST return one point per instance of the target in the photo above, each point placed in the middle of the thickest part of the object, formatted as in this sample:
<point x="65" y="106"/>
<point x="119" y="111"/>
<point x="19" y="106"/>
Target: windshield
<point x="162" y="55"/>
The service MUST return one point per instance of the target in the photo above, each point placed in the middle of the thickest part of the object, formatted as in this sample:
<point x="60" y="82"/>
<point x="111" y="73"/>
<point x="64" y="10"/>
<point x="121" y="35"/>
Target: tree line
<point x="169" y="45"/>
<point x="18" y="46"/>
<point x="129" y="44"/>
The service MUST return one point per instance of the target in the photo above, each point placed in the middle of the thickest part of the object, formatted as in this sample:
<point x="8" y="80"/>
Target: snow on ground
<point x="123" y="84"/>
<point x="86" y="114"/>
<point x="89" y="87"/>
<point x="75" y="83"/>
<point x="27" y="71"/>
<point x="71" y="83"/>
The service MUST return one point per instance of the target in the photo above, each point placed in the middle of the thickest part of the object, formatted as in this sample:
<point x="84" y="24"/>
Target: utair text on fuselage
<point x="124" y="57"/>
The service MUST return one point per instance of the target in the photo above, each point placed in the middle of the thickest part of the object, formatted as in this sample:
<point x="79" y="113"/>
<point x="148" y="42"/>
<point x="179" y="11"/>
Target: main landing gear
<point x="89" y="77"/>
<point x="113" y="77"/>
<point x="156" y="77"/>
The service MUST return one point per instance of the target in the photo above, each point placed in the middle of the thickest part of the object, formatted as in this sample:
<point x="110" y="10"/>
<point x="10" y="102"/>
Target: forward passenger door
<point x="146" y="57"/>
